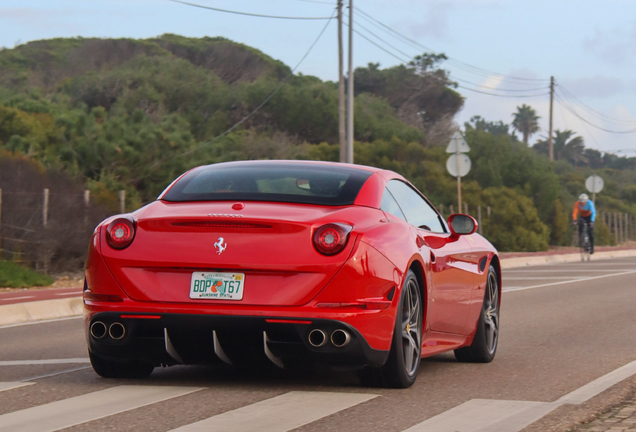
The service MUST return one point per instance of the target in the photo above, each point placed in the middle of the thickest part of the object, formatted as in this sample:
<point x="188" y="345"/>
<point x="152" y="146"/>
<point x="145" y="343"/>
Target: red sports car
<point x="295" y="263"/>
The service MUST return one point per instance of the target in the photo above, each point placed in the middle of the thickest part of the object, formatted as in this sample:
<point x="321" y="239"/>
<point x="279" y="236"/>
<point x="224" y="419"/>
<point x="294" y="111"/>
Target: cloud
<point x="434" y="21"/>
<point x="616" y="46"/>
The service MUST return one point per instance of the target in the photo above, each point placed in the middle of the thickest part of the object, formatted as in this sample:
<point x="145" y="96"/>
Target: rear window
<point x="293" y="183"/>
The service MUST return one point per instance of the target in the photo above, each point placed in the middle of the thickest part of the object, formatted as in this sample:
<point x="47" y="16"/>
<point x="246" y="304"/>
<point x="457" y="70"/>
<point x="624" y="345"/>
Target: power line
<point x="267" y="99"/>
<point x="502" y="95"/>
<point x="500" y="89"/>
<point x="568" y="95"/>
<point x="457" y="62"/>
<point x="247" y="13"/>
<point x="567" y="106"/>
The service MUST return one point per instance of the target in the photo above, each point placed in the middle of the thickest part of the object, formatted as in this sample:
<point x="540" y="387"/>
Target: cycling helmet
<point x="583" y="198"/>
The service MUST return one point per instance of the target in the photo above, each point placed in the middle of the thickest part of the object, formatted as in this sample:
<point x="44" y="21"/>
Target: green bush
<point x="13" y="275"/>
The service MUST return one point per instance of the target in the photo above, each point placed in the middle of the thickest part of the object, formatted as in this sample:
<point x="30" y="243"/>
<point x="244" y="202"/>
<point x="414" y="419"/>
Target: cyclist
<point x="585" y="208"/>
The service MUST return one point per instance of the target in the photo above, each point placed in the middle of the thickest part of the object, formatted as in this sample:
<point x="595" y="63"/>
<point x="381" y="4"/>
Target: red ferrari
<point x="297" y="263"/>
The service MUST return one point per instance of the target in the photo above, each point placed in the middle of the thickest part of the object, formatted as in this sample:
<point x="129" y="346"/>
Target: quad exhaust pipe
<point x="317" y="338"/>
<point x="98" y="329"/>
<point x="117" y="330"/>
<point x="340" y="338"/>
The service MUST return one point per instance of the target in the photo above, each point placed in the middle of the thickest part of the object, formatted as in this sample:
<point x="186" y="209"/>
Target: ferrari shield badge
<point x="220" y="245"/>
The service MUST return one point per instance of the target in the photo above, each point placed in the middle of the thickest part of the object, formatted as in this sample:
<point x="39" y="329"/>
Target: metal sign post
<point x="458" y="164"/>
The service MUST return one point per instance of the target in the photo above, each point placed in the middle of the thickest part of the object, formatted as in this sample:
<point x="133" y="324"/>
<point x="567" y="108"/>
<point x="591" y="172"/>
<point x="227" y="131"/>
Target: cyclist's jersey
<point x="587" y="210"/>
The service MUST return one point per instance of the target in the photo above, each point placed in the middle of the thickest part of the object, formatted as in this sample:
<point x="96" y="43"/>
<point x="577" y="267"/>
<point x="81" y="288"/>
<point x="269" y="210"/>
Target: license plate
<point x="217" y="286"/>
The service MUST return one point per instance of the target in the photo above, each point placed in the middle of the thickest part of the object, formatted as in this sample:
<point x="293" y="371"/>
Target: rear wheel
<point x="484" y="345"/>
<point x="400" y="370"/>
<point x="112" y="369"/>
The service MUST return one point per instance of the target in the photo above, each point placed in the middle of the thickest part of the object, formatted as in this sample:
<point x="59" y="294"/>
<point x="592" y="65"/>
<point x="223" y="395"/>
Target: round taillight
<point x="331" y="238"/>
<point x="120" y="233"/>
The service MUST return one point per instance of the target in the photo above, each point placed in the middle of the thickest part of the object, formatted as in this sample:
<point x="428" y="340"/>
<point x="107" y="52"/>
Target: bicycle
<point x="584" y="243"/>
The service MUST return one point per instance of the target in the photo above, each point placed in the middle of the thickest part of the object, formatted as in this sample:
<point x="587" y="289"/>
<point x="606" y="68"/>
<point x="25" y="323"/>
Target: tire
<point x="112" y="369"/>
<point x="484" y="346"/>
<point x="401" y="368"/>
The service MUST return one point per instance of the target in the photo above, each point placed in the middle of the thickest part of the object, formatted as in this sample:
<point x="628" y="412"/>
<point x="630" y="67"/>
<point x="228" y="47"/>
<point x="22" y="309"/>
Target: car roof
<point x="386" y="174"/>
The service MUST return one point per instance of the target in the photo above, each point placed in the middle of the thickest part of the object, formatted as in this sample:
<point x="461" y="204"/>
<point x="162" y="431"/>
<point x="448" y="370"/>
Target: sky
<point x="510" y="47"/>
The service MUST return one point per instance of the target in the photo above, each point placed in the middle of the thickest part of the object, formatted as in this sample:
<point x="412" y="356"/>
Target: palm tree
<point x="526" y="121"/>
<point x="566" y="147"/>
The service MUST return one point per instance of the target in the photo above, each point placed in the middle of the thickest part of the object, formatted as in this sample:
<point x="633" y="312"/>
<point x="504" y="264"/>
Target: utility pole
<point x="350" y="89"/>
<point x="550" y="142"/>
<point x="341" y="91"/>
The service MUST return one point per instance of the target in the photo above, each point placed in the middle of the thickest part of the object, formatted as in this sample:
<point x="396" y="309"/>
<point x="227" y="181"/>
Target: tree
<point x="566" y="147"/>
<point x="526" y="121"/>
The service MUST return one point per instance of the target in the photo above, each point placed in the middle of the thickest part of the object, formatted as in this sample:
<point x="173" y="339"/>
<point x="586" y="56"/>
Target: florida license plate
<point x="217" y="286"/>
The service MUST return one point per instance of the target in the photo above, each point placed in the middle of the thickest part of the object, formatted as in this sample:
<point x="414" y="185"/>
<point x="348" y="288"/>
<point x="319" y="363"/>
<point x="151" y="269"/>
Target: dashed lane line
<point x="279" y="414"/>
<point x="92" y="406"/>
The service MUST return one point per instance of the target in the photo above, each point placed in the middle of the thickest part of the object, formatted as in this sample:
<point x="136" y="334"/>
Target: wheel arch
<point x="497" y="265"/>
<point x="417" y="268"/>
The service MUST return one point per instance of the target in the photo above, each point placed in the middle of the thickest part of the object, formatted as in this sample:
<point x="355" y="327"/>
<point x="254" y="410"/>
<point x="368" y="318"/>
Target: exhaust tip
<point x="98" y="329"/>
<point x="340" y="338"/>
<point x="117" y="331"/>
<point x="317" y="338"/>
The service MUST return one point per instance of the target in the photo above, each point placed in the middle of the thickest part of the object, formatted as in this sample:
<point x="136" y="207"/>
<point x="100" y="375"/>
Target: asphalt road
<point x="562" y="326"/>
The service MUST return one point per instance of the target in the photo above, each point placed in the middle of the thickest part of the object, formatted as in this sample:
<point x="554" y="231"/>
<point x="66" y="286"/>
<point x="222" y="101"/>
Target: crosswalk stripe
<point x="279" y="414"/>
<point x="482" y="414"/>
<point x="11" y="385"/>
<point x="80" y="409"/>
<point x="43" y="362"/>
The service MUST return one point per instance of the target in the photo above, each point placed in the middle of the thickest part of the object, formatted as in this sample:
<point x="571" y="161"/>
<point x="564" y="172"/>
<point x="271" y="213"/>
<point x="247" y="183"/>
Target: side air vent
<point x="207" y="224"/>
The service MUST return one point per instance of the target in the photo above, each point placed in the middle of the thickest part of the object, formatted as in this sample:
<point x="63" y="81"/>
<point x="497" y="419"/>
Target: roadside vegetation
<point x="13" y="275"/>
<point x="123" y="114"/>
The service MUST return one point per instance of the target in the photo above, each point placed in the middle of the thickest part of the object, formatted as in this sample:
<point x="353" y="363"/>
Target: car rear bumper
<point x="175" y="338"/>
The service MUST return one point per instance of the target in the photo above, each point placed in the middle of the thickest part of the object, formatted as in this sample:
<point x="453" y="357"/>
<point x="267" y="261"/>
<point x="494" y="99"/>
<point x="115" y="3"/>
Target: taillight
<point x="331" y="238"/>
<point x="120" y="233"/>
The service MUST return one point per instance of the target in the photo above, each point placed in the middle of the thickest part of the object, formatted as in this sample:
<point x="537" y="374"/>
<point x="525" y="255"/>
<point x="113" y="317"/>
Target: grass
<point x="13" y="275"/>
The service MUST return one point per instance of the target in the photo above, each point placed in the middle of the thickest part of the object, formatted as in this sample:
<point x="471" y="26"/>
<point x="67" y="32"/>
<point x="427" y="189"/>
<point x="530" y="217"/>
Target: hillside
<point x="124" y="114"/>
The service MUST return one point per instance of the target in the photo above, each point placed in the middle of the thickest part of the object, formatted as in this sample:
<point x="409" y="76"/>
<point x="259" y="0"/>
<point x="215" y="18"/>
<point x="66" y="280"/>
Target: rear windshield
<point x="293" y="183"/>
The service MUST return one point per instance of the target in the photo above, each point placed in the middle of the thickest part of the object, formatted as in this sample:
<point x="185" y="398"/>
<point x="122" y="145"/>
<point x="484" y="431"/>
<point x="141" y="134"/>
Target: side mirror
<point x="461" y="224"/>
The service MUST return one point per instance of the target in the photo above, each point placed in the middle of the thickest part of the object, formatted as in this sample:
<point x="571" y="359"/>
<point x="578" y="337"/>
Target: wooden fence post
<point x="122" y="201"/>
<point x="441" y="210"/>
<point x="481" y="229"/>
<point x="87" y="200"/>
<point x="615" y="227"/>
<point x="452" y="210"/>
<point x="465" y="208"/>
<point x="488" y="211"/>
<point x="45" y="208"/>
<point x="0" y="222"/>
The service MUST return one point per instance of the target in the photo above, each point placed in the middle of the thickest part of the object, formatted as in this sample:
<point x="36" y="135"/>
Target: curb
<point x="19" y="313"/>
<point x="508" y="263"/>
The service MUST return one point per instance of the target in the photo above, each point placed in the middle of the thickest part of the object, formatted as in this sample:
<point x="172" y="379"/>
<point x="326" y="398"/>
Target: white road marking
<point x="281" y="413"/>
<point x="477" y="414"/>
<point x="43" y="362"/>
<point x="11" y="385"/>
<point x="511" y="289"/>
<point x="81" y="409"/>
<point x="56" y="373"/>
<point x="486" y="415"/>
<point x="541" y="278"/>
<point x="563" y="271"/>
